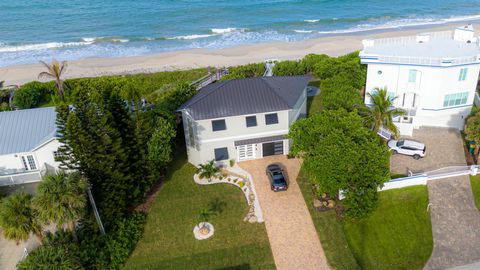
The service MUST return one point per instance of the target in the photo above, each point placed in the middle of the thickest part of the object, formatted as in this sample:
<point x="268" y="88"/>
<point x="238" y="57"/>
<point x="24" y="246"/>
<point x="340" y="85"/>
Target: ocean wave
<point x="227" y="30"/>
<point x="41" y="46"/>
<point x="312" y="21"/>
<point x="191" y="36"/>
<point x="303" y="31"/>
<point x="104" y="39"/>
<point x="400" y="23"/>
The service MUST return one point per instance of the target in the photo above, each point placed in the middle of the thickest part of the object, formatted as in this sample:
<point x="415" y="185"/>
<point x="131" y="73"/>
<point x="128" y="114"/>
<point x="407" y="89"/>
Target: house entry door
<point x="246" y="151"/>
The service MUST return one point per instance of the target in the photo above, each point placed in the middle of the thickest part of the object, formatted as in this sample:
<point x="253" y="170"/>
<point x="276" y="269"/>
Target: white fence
<point x="423" y="178"/>
<point x="21" y="178"/>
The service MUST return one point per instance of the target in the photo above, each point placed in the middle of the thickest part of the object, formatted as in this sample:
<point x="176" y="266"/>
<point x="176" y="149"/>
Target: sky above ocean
<point x="32" y="30"/>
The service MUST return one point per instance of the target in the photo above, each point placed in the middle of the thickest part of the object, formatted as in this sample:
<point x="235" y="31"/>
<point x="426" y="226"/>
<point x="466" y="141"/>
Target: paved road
<point x="292" y="235"/>
<point x="455" y="223"/>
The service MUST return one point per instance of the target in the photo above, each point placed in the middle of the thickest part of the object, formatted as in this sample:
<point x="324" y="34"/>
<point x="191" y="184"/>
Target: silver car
<point x="407" y="147"/>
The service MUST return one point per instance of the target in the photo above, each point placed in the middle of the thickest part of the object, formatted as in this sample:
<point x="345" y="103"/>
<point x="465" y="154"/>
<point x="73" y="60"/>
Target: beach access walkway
<point x="290" y="229"/>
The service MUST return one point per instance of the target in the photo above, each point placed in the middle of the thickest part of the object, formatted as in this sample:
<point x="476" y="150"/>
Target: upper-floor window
<point x="412" y="76"/>
<point x="463" y="74"/>
<point x="29" y="163"/>
<point x="218" y="125"/>
<point x="221" y="153"/>
<point x="455" y="99"/>
<point x="251" y="121"/>
<point x="271" y="119"/>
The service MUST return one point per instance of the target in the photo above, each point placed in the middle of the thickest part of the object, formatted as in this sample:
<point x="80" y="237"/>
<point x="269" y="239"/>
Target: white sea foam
<point x="312" y="21"/>
<point x="41" y="46"/>
<point x="303" y="31"/>
<point x="89" y="39"/>
<point x="191" y="36"/>
<point x="400" y="23"/>
<point x="121" y="40"/>
<point x="227" y="30"/>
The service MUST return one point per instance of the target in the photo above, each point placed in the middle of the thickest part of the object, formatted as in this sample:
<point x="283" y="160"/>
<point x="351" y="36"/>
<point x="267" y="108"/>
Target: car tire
<point x="416" y="156"/>
<point x="394" y="152"/>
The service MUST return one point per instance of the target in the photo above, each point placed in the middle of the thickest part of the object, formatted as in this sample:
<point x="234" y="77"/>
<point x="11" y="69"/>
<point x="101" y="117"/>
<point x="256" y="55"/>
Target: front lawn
<point x="475" y="183"/>
<point x="168" y="241"/>
<point x="397" y="235"/>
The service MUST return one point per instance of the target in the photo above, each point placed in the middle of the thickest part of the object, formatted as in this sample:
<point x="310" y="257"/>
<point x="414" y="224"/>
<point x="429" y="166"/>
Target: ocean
<point x="32" y="30"/>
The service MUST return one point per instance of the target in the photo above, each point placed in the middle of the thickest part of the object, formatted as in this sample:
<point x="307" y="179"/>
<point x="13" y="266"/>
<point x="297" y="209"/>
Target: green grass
<point x="396" y="236"/>
<point x="168" y="241"/>
<point x="475" y="183"/>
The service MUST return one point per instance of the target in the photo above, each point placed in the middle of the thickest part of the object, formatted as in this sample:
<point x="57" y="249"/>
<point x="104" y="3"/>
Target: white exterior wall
<point x="12" y="163"/>
<point x="431" y="86"/>
<point x="207" y="140"/>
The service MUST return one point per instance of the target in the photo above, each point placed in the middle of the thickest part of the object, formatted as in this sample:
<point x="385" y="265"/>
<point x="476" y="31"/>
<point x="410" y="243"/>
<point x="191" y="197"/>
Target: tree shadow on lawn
<point x="216" y="206"/>
<point x="237" y="267"/>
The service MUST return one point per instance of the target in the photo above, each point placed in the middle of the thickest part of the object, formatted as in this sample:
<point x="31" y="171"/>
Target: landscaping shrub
<point x="337" y="92"/>
<point x="287" y="68"/>
<point x="307" y="64"/>
<point x="90" y="250"/>
<point x="27" y="97"/>
<point x="245" y="71"/>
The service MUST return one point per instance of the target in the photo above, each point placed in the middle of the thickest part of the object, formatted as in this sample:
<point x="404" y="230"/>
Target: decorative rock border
<point x="240" y="178"/>
<point x="200" y="236"/>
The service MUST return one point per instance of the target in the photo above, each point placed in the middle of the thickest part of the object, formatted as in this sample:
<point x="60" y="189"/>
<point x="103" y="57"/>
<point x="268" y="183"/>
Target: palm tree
<point x="61" y="199"/>
<point x="55" y="71"/>
<point x="18" y="218"/>
<point x="381" y="112"/>
<point x="208" y="170"/>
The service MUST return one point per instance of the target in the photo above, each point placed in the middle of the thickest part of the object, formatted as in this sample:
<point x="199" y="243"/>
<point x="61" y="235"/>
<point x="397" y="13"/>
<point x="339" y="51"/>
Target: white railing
<point x="408" y="39"/>
<point x="20" y="178"/>
<point x="423" y="178"/>
<point x="432" y="61"/>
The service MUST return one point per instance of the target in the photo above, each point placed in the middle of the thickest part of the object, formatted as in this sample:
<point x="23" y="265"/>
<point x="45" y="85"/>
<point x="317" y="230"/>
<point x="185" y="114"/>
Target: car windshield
<point x="400" y="143"/>
<point x="278" y="178"/>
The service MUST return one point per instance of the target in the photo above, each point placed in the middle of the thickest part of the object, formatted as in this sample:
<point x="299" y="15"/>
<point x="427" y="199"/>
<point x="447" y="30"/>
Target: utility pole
<point x="95" y="211"/>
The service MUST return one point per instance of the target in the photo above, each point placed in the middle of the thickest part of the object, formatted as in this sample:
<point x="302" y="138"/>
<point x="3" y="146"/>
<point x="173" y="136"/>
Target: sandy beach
<point x="334" y="45"/>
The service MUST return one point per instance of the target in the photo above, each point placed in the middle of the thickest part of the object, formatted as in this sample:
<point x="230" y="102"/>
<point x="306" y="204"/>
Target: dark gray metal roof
<point x="24" y="130"/>
<point x="260" y="140"/>
<point x="246" y="96"/>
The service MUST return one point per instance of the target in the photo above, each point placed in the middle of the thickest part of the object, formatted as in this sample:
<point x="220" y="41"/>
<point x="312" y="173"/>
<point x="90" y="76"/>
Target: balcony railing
<point x="20" y="178"/>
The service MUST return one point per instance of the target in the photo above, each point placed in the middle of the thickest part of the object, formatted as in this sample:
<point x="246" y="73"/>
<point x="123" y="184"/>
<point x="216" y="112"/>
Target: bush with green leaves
<point x="287" y="68"/>
<point x="337" y="92"/>
<point x="339" y="153"/>
<point x="245" y="71"/>
<point x="27" y="97"/>
<point x="90" y="249"/>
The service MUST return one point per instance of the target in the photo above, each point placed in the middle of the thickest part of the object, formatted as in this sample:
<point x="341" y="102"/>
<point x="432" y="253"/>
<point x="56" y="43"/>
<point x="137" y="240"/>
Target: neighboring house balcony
<point x="18" y="177"/>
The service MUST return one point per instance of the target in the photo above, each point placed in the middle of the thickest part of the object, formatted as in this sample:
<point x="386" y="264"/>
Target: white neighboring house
<point x="28" y="145"/>
<point x="433" y="75"/>
<point x="243" y="119"/>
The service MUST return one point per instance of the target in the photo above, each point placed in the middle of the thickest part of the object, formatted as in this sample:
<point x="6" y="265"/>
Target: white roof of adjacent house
<point x="25" y="130"/>
<point x="436" y="48"/>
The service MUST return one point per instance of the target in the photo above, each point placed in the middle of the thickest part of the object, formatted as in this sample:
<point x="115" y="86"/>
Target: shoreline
<point x="333" y="45"/>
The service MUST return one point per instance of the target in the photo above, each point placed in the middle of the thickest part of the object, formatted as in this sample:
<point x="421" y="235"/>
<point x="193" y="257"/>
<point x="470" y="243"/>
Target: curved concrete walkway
<point x="292" y="235"/>
<point x="455" y="223"/>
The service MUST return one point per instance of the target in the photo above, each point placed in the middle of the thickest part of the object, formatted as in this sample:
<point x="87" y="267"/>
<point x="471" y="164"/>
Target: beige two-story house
<point x="243" y="119"/>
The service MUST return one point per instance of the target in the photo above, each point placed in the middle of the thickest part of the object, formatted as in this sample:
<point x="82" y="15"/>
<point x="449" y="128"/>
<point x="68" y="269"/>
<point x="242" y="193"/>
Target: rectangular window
<point x="29" y="163"/>
<point x="218" y="125"/>
<point x="251" y="121"/>
<point x="412" y="76"/>
<point x="455" y="99"/>
<point x="390" y="95"/>
<point x="463" y="74"/>
<point x="24" y="161"/>
<point x="271" y="119"/>
<point x="221" y="153"/>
